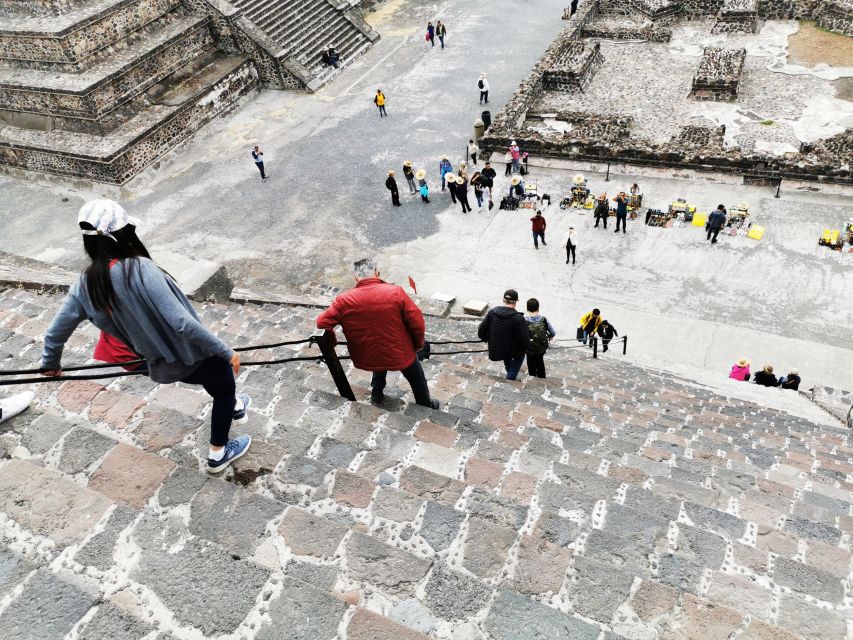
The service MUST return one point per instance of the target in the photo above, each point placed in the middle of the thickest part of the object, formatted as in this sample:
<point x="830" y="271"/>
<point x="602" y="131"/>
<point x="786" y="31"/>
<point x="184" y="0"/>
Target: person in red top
<point x="539" y="225"/>
<point x="384" y="331"/>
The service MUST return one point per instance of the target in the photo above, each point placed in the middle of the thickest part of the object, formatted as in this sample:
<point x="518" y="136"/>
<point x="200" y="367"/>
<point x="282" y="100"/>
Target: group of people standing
<point x="602" y="209"/>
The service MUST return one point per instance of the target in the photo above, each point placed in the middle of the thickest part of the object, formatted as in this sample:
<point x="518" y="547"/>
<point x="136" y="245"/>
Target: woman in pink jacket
<point x="740" y="371"/>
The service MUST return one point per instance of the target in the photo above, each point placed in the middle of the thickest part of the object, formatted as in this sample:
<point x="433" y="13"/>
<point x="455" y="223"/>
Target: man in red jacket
<point x="384" y="331"/>
<point x="538" y="222"/>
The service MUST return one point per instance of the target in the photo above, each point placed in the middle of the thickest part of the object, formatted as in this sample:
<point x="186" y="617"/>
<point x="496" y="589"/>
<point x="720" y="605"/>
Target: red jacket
<point x="383" y="327"/>
<point x="538" y="223"/>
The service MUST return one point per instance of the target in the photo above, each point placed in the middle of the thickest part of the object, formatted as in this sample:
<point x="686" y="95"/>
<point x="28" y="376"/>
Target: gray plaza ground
<point x="686" y="305"/>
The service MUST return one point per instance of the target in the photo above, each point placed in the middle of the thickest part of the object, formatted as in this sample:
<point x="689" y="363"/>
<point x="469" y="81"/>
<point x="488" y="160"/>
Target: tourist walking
<point x="462" y="193"/>
<point x="589" y="325"/>
<point x="538" y="226"/>
<point x="258" y="157"/>
<point x="451" y="186"/>
<point x="606" y="331"/>
<point x="483" y="85"/>
<point x="430" y="34"/>
<point x="716" y="221"/>
<point x="391" y="185"/>
<point x="423" y="187"/>
<point x="409" y="174"/>
<point x="602" y="210"/>
<point x="515" y="155"/>
<point x="766" y="378"/>
<point x="440" y="31"/>
<point x="541" y="332"/>
<point x="505" y="329"/>
<point x="384" y="330"/>
<point x="571" y="246"/>
<point x="488" y="175"/>
<point x="790" y="381"/>
<point x="740" y="370"/>
<point x="14" y="405"/>
<point x="444" y="167"/>
<point x="126" y="295"/>
<point x="621" y="201"/>
<point x="477" y="183"/>
<point x="473" y="150"/>
<point x="379" y="101"/>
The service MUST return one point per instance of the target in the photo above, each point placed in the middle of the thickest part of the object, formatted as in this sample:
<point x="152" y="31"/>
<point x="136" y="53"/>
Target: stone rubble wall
<point x="68" y="50"/>
<point x="718" y="75"/>
<point x="574" y="69"/>
<point x="38" y="7"/>
<point x="649" y="33"/>
<point x="146" y="149"/>
<point x="122" y="86"/>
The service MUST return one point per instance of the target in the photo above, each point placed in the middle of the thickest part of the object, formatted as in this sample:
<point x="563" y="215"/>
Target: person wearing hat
<point x="409" y="174"/>
<point x="462" y="193"/>
<point x="391" y="185"/>
<point x="766" y="378"/>
<point x="621" y="201"/>
<point x="791" y="381"/>
<point x="444" y="167"/>
<point x="740" y="370"/>
<point x="516" y="186"/>
<point x="483" y="86"/>
<point x="379" y="101"/>
<point x="423" y="187"/>
<point x="258" y="157"/>
<point x="451" y="186"/>
<point x="538" y="226"/>
<point x="515" y="154"/>
<point x="126" y="295"/>
<point x="602" y="210"/>
<point x="505" y="329"/>
<point x="472" y="152"/>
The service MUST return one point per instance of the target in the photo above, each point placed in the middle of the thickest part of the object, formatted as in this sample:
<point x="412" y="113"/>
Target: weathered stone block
<point x="384" y="565"/>
<point x="311" y="535"/>
<point x="302" y="613"/>
<point x="130" y="475"/>
<point x="515" y="617"/>
<point x="454" y="595"/>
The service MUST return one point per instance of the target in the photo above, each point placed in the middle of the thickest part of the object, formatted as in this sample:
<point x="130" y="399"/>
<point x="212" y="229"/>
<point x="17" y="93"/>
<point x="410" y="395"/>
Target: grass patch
<point x="767" y="122"/>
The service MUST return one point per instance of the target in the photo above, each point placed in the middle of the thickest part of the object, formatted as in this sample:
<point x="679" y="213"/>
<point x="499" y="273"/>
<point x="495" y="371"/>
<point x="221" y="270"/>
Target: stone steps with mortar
<point x="607" y="499"/>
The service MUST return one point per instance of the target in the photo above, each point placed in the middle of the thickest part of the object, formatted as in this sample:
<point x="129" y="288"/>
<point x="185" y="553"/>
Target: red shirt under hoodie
<point x="538" y="223"/>
<point x="383" y="327"/>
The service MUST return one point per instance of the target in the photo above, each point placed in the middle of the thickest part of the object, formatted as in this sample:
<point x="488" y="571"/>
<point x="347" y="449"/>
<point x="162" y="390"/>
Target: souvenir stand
<point x="737" y="220"/>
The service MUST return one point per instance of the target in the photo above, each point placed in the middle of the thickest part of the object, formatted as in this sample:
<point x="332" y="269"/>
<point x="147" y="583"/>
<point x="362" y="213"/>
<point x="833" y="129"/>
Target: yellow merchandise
<point x="755" y="232"/>
<point x="699" y="219"/>
<point x="830" y="236"/>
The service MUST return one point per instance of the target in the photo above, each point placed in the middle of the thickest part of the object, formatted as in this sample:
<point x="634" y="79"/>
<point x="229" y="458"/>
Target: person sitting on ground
<point x="125" y="294"/>
<point x="740" y="370"/>
<point x="589" y="325"/>
<point x="15" y="404"/>
<point x="766" y="378"/>
<point x="330" y="57"/>
<point x="505" y="329"/>
<point x="606" y="331"/>
<point x="541" y="332"/>
<point x="384" y="329"/>
<point x="791" y="381"/>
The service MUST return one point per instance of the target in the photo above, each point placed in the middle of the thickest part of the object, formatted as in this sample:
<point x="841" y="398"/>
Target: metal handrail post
<point x="595" y="346"/>
<point x="330" y="357"/>
<point x="624" y="345"/>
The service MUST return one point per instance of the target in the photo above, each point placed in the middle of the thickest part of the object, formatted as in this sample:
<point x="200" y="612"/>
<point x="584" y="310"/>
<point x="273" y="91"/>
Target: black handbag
<point x="423" y="354"/>
<point x="580" y="334"/>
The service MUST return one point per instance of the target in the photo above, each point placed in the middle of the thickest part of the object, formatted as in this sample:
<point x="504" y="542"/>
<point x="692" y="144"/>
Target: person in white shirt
<point x="571" y="245"/>
<point x="473" y="150"/>
<point x="483" y="84"/>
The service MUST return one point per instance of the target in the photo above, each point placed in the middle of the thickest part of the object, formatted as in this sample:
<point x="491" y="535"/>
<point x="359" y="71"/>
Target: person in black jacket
<point x="766" y="378"/>
<point x="716" y="221"/>
<point x="505" y="329"/>
<point x="606" y="331"/>
<point x="602" y="210"/>
<point x="409" y="173"/>
<point x="791" y="381"/>
<point x="391" y="185"/>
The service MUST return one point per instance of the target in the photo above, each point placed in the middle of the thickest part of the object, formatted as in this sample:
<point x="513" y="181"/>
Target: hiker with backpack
<point x="541" y="333"/>
<point x="127" y="296"/>
<point x="483" y="86"/>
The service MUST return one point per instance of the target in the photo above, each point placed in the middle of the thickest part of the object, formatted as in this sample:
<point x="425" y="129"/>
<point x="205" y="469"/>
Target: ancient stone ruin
<point x="100" y="89"/>
<point x="737" y="16"/>
<point x="718" y="74"/>
<point x="575" y="67"/>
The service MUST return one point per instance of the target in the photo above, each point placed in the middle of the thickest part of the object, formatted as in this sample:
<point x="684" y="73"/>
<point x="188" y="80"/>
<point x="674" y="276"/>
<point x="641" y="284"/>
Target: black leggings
<point x="570" y="253"/>
<point x="217" y="378"/>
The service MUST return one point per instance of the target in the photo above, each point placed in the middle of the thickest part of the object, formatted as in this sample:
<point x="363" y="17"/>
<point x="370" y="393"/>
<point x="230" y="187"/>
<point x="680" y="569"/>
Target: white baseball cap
<point x="106" y="216"/>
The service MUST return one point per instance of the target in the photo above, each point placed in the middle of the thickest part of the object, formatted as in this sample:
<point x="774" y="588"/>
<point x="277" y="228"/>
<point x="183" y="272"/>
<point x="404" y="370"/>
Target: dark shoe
<point x="713" y="242"/>
<point x="377" y="398"/>
<point x="434" y="404"/>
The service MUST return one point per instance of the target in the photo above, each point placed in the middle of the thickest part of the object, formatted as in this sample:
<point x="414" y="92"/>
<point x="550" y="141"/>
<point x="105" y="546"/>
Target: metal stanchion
<point x="624" y="345"/>
<point x="595" y="346"/>
<point x="334" y="364"/>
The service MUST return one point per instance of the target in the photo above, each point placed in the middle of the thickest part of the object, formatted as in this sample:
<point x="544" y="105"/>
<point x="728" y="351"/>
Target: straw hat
<point x="391" y="173"/>
<point x="515" y="180"/>
<point x="793" y="372"/>
<point x="578" y="179"/>
<point x="743" y="362"/>
<point x="460" y="180"/>
<point x="768" y="369"/>
<point x="420" y="174"/>
<point x="450" y="177"/>
<point x="444" y="157"/>
<point x="407" y="163"/>
<point x="603" y="196"/>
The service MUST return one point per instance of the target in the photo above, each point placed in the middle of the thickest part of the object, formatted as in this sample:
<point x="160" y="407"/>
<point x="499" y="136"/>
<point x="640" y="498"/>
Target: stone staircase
<point x="609" y="501"/>
<point x="302" y="29"/>
<point x="80" y="87"/>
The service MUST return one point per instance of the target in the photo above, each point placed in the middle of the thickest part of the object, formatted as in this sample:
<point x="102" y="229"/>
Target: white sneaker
<point x="13" y="405"/>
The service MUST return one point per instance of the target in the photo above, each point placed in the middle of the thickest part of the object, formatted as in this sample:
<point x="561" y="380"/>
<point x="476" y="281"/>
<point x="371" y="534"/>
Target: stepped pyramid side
<point x="608" y="501"/>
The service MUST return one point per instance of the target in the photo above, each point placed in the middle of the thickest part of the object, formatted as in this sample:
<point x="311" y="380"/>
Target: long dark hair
<point x="101" y="250"/>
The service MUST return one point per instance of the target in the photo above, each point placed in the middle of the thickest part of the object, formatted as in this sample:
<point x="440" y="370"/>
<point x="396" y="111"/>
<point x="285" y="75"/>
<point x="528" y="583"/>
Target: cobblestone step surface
<point x="609" y="501"/>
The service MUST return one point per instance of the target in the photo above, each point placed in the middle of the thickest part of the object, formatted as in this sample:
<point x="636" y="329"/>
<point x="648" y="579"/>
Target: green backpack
<point x="538" y="336"/>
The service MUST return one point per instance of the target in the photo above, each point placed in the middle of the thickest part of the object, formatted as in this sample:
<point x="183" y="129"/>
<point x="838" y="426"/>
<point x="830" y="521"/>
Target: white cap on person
<point x="106" y="216"/>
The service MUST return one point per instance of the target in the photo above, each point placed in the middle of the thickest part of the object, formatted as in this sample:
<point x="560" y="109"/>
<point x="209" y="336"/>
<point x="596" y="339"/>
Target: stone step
<point x="122" y="76"/>
<point x="132" y="146"/>
<point x="64" y="42"/>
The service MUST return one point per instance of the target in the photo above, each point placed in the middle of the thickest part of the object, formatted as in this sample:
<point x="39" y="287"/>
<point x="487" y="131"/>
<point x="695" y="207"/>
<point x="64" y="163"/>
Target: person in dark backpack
<point x="505" y="330"/>
<point x="606" y="331"/>
<point x="541" y="332"/>
<point x="483" y="86"/>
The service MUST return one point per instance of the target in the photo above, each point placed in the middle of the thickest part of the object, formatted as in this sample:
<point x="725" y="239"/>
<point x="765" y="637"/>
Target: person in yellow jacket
<point x="589" y="325"/>
<point x="379" y="101"/>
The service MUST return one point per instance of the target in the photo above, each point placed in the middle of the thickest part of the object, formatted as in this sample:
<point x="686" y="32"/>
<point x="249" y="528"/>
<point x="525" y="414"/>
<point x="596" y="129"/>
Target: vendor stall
<point x="737" y="220"/>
